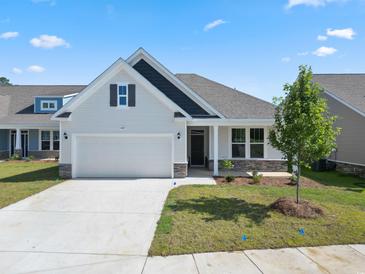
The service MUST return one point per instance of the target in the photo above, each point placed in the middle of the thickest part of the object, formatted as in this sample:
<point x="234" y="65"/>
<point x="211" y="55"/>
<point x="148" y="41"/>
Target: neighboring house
<point x="345" y="94"/>
<point x="137" y="119"/>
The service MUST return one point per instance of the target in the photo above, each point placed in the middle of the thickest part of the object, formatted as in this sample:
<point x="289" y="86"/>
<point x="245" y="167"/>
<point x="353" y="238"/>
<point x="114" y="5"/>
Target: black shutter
<point x="131" y="95"/>
<point x="113" y="95"/>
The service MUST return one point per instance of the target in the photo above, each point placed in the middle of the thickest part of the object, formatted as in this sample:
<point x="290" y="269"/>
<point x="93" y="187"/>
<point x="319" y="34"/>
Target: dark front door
<point x="197" y="150"/>
<point x="24" y="143"/>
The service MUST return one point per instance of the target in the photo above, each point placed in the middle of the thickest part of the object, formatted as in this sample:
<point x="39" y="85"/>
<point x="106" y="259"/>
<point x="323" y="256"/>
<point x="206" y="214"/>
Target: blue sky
<point x="254" y="46"/>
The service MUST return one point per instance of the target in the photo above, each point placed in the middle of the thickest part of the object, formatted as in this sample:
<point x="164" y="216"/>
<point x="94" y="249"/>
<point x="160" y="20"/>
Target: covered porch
<point x="245" y="143"/>
<point x="27" y="141"/>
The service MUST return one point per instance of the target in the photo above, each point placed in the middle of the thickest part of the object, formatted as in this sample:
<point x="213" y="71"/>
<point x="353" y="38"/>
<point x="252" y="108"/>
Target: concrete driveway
<point x="83" y="226"/>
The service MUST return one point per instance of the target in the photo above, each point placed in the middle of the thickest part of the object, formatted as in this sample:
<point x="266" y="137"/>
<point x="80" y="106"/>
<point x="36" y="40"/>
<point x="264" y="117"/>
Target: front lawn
<point x="19" y="179"/>
<point x="219" y="218"/>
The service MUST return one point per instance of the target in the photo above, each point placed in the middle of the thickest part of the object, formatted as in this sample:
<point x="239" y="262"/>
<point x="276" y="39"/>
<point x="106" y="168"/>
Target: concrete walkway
<point x="346" y="259"/>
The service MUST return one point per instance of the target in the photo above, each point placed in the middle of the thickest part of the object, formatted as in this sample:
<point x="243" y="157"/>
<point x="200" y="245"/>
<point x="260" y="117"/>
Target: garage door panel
<point x="117" y="156"/>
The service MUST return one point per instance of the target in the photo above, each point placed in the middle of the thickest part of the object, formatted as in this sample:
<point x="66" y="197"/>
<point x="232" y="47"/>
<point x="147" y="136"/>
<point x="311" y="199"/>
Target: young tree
<point x="303" y="129"/>
<point x="4" y="81"/>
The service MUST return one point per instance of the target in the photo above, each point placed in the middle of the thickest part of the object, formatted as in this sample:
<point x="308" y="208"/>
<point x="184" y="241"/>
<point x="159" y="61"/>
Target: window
<point x="48" y="105"/>
<point x="123" y="95"/>
<point x="238" y="143"/>
<point x="56" y="140"/>
<point x="49" y="140"/>
<point x="257" y="142"/>
<point x="45" y="140"/>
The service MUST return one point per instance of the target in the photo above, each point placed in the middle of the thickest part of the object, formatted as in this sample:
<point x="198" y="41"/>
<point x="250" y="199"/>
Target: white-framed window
<point x="123" y="95"/>
<point x="45" y="140"/>
<point x="238" y="142"/>
<point x="56" y="140"/>
<point x="49" y="140"/>
<point x="257" y="142"/>
<point x="47" y="105"/>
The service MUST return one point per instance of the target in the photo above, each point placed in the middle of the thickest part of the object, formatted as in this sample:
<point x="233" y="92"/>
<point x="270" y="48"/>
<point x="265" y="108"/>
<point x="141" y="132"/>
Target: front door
<point x="24" y="142"/>
<point x="197" y="148"/>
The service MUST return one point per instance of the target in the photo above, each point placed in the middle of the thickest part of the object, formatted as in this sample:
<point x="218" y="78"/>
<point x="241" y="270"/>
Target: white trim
<point x="204" y="144"/>
<point x="74" y="137"/>
<point x="70" y="95"/>
<point x="344" y="162"/>
<point x="48" y="102"/>
<point x="126" y="95"/>
<point x="103" y="79"/>
<point x="51" y="140"/>
<point x="247" y="143"/>
<point x="344" y="103"/>
<point x="255" y="143"/>
<point x="141" y="52"/>
<point x="231" y="122"/>
<point x="230" y="143"/>
<point x="28" y="126"/>
<point x="215" y="150"/>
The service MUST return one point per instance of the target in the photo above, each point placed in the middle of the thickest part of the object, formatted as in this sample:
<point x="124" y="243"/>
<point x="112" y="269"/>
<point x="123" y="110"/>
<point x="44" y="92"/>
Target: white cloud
<point x="312" y="3"/>
<point x="324" y="51"/>
<point x="347" y="33"/>
<point x="17" y="71"/>
<point x="36" y="69"/>
<point x="322" y="37"/>
<point x="285" y="59"/>
<point x="214" y="24"/>
<point x="48" y="42"/>
<point x="9" y="35"/>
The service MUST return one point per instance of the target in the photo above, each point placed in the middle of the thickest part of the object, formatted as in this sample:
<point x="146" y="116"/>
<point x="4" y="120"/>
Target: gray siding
<point x="350" y="144"/>
<point x="4" y="139"/>
<point x="33" y="139"/>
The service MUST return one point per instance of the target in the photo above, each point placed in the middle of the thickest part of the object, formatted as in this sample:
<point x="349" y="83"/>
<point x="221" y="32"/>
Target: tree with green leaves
<point x="304" y="129"/>
<point x="5" y="82"/>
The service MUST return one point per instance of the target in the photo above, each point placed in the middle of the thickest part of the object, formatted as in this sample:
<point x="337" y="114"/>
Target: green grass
<point x="214" y="218"/>
<point x="19" y="180"/>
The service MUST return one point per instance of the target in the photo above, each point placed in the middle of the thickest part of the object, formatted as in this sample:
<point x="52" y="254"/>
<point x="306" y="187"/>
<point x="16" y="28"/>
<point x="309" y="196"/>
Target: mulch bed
<point x="303" y="209"/>
<point x="268" y="181"/>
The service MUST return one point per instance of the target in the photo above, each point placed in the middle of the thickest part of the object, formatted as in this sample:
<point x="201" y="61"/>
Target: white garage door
<point x="122" y="156"/>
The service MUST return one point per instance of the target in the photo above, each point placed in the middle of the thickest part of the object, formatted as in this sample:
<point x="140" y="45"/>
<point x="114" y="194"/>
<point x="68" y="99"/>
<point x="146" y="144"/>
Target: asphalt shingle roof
<point x="230" y="102"/>
<point x="17" y="102"/>
<point x="348" y="87"/>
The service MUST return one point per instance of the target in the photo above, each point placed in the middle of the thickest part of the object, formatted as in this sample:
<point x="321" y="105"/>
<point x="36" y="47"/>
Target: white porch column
<point x="18" y="140"/>
<point x="215" y="150"/>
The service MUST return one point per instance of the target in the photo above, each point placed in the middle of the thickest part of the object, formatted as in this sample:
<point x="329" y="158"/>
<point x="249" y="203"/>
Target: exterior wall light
<point x="178" y="135"/>
<point x="65" y="135"/>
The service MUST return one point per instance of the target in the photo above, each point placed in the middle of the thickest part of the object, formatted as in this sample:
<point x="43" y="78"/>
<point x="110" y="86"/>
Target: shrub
<point x="227" y="164"/>
<point x="15" y="157"/>
<point x="293" y="179"/>
<point x="229" y="178"/>
<point x="256" y="177"/>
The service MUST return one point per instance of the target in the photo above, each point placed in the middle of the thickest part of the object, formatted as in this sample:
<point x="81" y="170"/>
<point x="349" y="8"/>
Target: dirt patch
<point x="269" y="181"/>
<point x="304" y="209"/>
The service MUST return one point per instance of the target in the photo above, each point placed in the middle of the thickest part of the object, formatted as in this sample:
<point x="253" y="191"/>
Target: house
<point x="345" y="94"/>
<point x="137" y="119"/>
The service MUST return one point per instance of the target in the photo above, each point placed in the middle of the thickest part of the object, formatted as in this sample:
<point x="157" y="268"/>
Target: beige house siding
<point x="351" y="141"/>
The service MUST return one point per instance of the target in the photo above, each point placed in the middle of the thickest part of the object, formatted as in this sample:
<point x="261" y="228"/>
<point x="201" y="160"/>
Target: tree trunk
<point x="298" y="182"/>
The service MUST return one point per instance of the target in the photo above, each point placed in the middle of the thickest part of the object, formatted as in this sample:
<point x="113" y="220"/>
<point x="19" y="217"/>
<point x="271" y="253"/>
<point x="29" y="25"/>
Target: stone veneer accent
<point x="353" y="169"/>
<point x="259" y="165"/>
<point x="180" y="170"/>
<point x="44" y="154"/>
<point x="65" y="171"/>
<point x="4" y="154"/>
